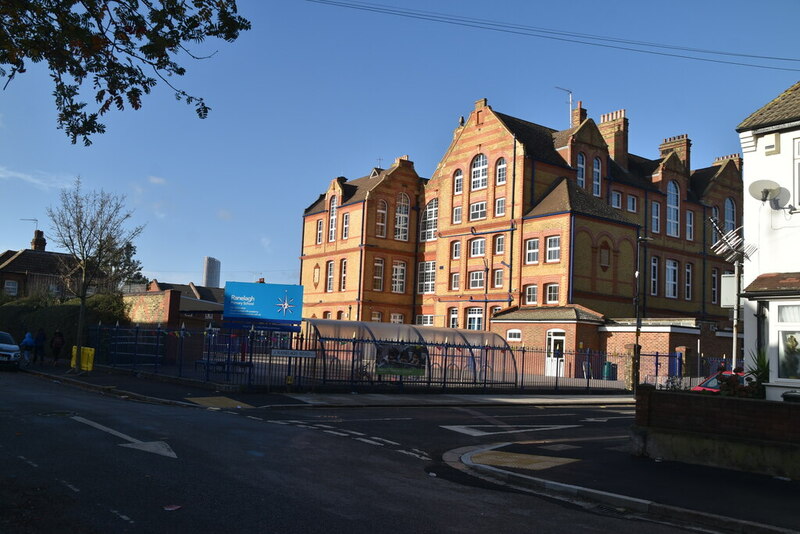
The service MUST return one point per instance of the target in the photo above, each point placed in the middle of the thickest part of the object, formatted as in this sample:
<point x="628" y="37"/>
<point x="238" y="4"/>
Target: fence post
<point x="485" y="366"/>
<point x="136" y="347"/>
<point x="587" y="368"/>
<point x="228" y="358"/>
<point x="180" y="350"/>
<point x="158" y="347"/>
<point x="657" y="365"/>
<point x="209" y="342"/>
<point x="114" y="345"/>
<point x="250" y="336"/>
<point x="444" y="365"/>
<point x="522" y="376"/>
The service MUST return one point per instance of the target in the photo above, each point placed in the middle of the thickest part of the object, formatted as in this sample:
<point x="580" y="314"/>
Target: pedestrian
<point x="26" y="346"/>
<point x="38" y="346"/>
<point x="56" y="343"/>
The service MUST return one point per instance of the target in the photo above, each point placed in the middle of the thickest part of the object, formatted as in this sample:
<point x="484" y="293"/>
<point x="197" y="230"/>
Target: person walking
<point x="56" y="344"/>
<point x="26" y="346"/>
<point x="38" y="346"/>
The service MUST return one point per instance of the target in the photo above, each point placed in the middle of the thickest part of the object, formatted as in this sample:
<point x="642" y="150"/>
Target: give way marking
<point x="156" y="447"/>
<point x="475" y="430"/>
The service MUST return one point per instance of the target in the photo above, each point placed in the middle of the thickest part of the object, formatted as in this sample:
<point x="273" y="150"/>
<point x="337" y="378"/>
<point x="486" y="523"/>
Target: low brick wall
<point x="744" y="434"/>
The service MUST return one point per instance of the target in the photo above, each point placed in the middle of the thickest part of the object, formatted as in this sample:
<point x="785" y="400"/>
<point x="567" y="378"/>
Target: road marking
<point x="604" y="419"/>
<point x="474" y="430"/>
<point x="336" y="433"/>
<point x="532" y="415"/>
<point x="422" y="456"/>
<point x="156" y="447"/>
<point x="254" y="417"/>
<point x="123" y="517"/>
<point x="70" y="486"/>
<point x="384" y="440"/>
<point x="277" y="422"/>
<point x="365" y="440"/>
<point x="30" y="463"/>
<point x="353" y="432"/>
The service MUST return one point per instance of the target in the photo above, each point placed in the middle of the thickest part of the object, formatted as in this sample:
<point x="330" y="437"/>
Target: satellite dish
<point x="764" y="190"/>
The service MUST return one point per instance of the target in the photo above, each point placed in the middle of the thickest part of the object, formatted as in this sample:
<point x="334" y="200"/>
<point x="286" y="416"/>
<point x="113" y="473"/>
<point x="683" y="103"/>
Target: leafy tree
<point x="92" y="228"/>
<point x="121" y="267"/>
<point x="115" y="49"/>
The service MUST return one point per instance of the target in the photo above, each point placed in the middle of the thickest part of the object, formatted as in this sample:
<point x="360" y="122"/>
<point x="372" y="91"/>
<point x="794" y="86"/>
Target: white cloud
<point x="40" y="180"/>
<point x="156" y="180"/>
<point x="266" y="243"/>
<point x="224" y="215"/>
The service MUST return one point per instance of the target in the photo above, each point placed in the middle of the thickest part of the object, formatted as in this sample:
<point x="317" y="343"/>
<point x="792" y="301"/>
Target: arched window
<point x="430" y="221"/>
<point x="480" y="167"/>
<point x="332" y="220"/>
<point x="673" y="209"/>
<point x="730" y="215"/>
<point x="380" y="218"/>
<point x="500" y="173"/>
<point x="597" y="189"/>
<point x="581" y="170"/>
<point x="458" y="182"/>
<point x="401" y="217"/>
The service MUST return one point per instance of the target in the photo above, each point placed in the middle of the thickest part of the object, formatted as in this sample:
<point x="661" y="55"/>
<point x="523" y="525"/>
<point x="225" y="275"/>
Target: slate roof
<point x="572" y="312"/>
<point x="32" y="261"/>
<point x="352" y="190"/>
<point x="782" y="109"/>
<point x="774" y="285"/>
<point x="637" y="174"/>
<point x="566" y="196"/>
<point x="538" y="140"/>
<point x="191" y="291"/>
<point x="700" y="180"/>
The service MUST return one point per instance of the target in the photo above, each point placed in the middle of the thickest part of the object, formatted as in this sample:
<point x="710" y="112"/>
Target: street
<point x="80" y="462"/>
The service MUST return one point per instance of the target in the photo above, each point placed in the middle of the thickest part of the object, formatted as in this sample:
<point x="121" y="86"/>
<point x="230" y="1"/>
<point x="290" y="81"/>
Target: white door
<point x="554" y="361"/>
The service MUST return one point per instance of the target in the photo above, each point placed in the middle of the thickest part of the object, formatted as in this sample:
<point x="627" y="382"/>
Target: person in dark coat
<point x="56" y="344"/>
<point x="38" y="346"/>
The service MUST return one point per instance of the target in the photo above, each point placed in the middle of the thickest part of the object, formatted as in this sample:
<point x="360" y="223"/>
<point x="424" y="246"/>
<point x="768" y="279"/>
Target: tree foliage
<point x="116" y="49"/>
<point x="93" y="228"/>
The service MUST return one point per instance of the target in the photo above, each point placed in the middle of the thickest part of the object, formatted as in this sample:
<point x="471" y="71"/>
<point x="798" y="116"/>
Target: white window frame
<point x="689" y="225"/>
<point x="320" y="225"/>
<point x="730" y="215"/>
<point x="501" y="172"/>
<point x="455" y="250"/>
<point x="427" y="277"/>
<point x="452" y="318"/>
<point x="397" y="318"/>
<point x="425" y="320"/>
<point x="497" y="278"/>
<point x="616" y="199"/>
<point x="474" y="318"/>
<point x="343" y="275"/>
<point x="11" y="288"/>
<point x="553" y="248"/>
<point x="673" y="209"/>
<point x="688" y="281"/>
<point x="345" y="225"/>
<point x="401" y="211"/>
<point x="398" y="276"/>
<point x="456" y="214"/>
<point x="376" y="316"/>
<point x="532" y="251"/>
<point x="551" y="293"/>
<point x="671" y="279"/>
<point x="332" y="219"/>
<point x="514" y="334"/>
<point x="458" y="182"/>
<point x="477" y="247"/>
<point x="477" y="211"/>
<point x="381" y="215"/>
<point x="581" y="166"/>
<point x="597" y="177"/>
<point x="476" y="279"/>
<point x="455" y="281"/>
<point x="633" y="203"/>
<point x="479" y="173"/>
<point x="329" y="276"/>
<point x="429" y="224"/>
<point x="714" y="233"/>
<point x="655" y="217"/>
<point x="378" y="266"/>
<point x="654" y="268"/>
<point x="500" y="244"/>
<point x="532" y="295"/>
<point x="499" y="207"/>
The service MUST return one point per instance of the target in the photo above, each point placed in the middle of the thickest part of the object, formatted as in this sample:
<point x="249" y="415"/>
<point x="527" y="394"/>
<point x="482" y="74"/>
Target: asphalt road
<point x="74" y="461"/>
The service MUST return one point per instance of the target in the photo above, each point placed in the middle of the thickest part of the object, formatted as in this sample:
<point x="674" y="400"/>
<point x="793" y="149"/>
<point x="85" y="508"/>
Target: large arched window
<point x="458" y="182"/>
<point x="480" y="168"/>
<point x="597" y="186"/>
<point x="332" y="220"/>
<point x="581" y="170"/>
<point x="380" y="218"/>
<point x="673" y="209"/>
<point x="430" y="221"/>
<point x="401" y="217"/>
<point x="730" y="215"/>
<point x="500" y="171"/>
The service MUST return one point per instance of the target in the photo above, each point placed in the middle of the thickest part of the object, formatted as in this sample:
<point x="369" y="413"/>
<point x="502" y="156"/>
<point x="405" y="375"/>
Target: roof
<point x="571" y="312"/>
<point x="191" y="291"/>
<point x="352" y="190"/>
<point x="538" y="140"/>
<point x="32" y="261"/>
<point x="637" y="173"/>
<point x="773" y="285"/>
<point x="784" y="108"/>
<point x="566" y="196"/>
<point x="700" y="179"/>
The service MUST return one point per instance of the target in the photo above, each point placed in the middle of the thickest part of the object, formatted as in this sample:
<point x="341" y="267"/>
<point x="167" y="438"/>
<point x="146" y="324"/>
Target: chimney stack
<point x="681" y="145"/>
<point x="38" y="242"/>
<point x="735" y="158"/>
<point x="614" y="129"/>
<point x="578" y="115"/>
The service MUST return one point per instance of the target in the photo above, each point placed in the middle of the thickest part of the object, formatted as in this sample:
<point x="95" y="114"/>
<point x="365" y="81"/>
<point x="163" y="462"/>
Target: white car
<point x="9" y="351"/>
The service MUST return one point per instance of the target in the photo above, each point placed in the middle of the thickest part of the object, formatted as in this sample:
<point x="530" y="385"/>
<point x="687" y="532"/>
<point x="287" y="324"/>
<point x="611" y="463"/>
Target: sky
<point x="316" y="91"/>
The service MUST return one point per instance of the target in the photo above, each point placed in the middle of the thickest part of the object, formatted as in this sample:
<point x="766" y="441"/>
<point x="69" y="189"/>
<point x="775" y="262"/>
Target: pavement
<point x="597" y="471"/>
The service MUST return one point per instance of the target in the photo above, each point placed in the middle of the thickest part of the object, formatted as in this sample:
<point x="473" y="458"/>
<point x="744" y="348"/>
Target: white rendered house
<point x="770" y="140"/>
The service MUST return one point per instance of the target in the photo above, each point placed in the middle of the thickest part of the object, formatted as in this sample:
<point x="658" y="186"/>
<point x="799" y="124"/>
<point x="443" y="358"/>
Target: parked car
<point x="9" y="351"/>
<point x="712" y="382"/>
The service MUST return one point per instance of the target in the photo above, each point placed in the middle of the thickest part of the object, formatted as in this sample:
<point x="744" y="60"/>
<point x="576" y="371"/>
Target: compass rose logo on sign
<point x="285" y="304"/>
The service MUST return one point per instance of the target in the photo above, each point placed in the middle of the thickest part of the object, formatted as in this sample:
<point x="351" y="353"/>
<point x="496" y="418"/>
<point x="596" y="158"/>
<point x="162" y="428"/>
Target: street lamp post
<point x="637" y="348"/>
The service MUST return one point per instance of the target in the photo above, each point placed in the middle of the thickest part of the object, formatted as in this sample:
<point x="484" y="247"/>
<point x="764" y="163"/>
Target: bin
<point x="791" y="396"/>
<point x="87" y="358"/>
<point x="609" y="371"/>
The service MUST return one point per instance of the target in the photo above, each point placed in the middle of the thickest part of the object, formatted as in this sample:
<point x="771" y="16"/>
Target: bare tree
<point x="93" y="228"/>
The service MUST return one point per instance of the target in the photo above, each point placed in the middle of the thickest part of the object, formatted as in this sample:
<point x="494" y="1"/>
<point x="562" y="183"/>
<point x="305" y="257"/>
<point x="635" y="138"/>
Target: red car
<point x="712" y="382"/>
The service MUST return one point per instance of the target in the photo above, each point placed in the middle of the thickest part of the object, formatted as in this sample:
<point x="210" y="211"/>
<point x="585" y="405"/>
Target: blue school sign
<point x="271" y="303"/>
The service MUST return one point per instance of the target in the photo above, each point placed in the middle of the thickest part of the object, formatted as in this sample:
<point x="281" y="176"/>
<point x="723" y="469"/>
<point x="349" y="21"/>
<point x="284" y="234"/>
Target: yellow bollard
<point x="87" y="358"/>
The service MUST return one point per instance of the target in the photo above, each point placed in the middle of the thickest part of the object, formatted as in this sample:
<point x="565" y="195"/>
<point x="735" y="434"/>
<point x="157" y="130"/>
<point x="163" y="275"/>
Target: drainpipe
<point x="571" y="255"/>
<point x="361" y="247"/>
<point x="513" y="219"/>
<point x="416" y="264"/>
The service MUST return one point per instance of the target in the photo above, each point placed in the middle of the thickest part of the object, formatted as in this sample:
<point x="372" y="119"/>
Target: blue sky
<point x="313" y="92"/>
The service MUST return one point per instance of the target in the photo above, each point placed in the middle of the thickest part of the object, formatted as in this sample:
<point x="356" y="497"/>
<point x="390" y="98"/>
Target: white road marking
<point x="473" y="430"/>
<point x="254" y="417"/>
<point x="123" y="517"/>
<point x="532" y="415"/>
<point x="325" y="426"/>
<point x="30" y="463"/>
<point x="365" y="440"/>
<point x="414" y="454"/>
<point x="384" y="440"/>
<point x="70" y="486"/>
<point x="156" y="447"/>
<point x="604" y="419"/>
<point x="353" y="432"/>
<point x="336" y="433"/>
<point x="277" y="422"/>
